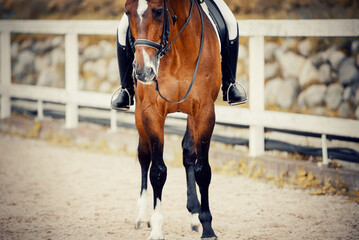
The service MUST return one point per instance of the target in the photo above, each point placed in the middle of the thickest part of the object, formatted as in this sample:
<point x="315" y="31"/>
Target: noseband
<point x="163" y="47"/>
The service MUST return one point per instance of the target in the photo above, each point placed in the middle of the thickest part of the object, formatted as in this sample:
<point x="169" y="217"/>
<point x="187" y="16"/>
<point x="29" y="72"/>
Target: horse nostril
<point x="140" y="76"/>
<point x="149" y="72"/>
<point x="146" y="75"/>
<point x="137" y="72"/>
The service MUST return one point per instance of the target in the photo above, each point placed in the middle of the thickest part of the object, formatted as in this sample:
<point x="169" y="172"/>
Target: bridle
<point x="164" y="47"/>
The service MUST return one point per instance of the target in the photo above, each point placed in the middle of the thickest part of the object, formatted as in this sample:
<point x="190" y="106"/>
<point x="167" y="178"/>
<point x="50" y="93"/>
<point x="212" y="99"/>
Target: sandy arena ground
<point x="52" y="192"/>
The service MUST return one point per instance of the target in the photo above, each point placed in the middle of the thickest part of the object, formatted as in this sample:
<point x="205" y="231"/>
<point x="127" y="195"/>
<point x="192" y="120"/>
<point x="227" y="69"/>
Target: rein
<point x="163" y="48"/>
<point x="198" y="60"/>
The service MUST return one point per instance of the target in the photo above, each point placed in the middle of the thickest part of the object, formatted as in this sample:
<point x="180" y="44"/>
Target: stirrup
<point x="245" y="94"/>
<point x="119" y="89"/>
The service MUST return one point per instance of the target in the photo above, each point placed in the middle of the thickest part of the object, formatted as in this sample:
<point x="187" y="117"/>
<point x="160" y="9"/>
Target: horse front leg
<point x="144" y="156"/>
<point x="189" y="159"/>
<point x="154" y="125"/>
<point x="204" y="124"/>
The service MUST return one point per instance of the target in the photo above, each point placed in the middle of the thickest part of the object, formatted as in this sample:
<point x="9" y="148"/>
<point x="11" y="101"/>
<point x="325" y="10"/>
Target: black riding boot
<point x="229" y="70"/>
<point x="124" y="99"/>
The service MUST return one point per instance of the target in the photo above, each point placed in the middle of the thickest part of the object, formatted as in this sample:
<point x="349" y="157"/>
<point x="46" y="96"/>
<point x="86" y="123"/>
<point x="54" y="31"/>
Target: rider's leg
<point x="230" y="57"/>
<point x="124" y="99"/>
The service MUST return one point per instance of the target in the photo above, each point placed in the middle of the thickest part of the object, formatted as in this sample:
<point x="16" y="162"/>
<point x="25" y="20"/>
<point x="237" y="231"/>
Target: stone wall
<point x="98" y="64"/>
<point x="309" y="75"/>
<point x="306" y="75"/>
<point x="41" y="62"/>
<point x="38" y="61"/>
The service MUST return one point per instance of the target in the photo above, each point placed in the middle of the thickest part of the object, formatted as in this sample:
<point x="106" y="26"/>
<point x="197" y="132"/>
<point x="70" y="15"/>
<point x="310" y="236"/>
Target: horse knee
<point x="158" y="175"/>
<point x="189" y="157"/>
<point x="144" y="154"/>
<point x="203" y="174"/>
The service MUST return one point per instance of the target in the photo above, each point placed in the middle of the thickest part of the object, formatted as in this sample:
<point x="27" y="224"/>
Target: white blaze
<point x="141" y="8"/>
<point x="146" y="59"/>
<point x="157" y="222"/>
<point x="149" y="63"/>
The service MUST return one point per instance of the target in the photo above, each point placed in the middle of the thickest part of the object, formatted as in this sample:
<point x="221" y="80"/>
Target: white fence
<point x="256" y="117"/>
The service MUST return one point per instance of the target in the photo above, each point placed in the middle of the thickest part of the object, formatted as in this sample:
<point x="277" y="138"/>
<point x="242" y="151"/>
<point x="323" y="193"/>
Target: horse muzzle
<point x="146" y="75"/>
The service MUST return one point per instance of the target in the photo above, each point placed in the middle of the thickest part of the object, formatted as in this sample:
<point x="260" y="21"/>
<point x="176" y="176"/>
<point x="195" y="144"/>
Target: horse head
<point x="148" y="20"/>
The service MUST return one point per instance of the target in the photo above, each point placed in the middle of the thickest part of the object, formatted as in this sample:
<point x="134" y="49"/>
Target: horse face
<point x="146" y="22"/>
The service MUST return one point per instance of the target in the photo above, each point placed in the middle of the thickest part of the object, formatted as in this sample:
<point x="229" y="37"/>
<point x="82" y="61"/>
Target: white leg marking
<point x="195" y="219"/>
<point x="142" y="204"/>
<point x="195" y="222"/>
<point x="157" y="222"/>
<point x="141" y="8"/>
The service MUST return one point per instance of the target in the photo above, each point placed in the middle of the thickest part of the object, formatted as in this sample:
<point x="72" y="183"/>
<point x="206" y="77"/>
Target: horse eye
<point x="127" y="13"/>
<point x="157" y="12"/>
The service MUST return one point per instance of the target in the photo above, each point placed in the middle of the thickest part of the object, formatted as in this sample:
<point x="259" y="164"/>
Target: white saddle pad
<point x="205" y="9"/>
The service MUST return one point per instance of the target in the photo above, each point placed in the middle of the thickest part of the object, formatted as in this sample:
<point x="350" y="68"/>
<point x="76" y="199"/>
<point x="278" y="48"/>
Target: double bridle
<point x="164" y="47"/>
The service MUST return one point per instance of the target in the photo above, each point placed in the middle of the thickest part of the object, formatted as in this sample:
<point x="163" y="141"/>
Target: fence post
<point x="40" y="110"/>
<point x="113" y="113"/>
<point x="71" y="79"/>
<point x="324" y="150"/>
<point x="5" y="69"/>
<point x="256" y="93"/>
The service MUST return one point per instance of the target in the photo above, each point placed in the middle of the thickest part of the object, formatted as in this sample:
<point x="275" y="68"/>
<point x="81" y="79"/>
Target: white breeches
<point x="122" y="30"/>
<point x="227" y="14"/>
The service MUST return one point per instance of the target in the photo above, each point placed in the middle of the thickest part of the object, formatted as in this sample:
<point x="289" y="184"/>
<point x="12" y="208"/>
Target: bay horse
<point x="177" y="68"/>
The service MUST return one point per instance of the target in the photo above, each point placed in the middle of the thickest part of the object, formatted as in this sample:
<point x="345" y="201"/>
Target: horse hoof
<point x="210" y="238"/>
<point x="156" y="238"/>
<point x="194" y="228"/>
<point x="138" y="224"/>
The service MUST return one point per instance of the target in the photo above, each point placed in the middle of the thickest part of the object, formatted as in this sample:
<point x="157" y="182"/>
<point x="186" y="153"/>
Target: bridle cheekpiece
<point x="163" y="47"/>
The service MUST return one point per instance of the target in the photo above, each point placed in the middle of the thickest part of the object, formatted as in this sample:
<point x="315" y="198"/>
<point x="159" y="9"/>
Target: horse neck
<point x="182" y="9"/>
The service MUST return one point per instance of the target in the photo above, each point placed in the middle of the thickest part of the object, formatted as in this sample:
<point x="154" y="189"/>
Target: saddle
<point x="218" y="21"/>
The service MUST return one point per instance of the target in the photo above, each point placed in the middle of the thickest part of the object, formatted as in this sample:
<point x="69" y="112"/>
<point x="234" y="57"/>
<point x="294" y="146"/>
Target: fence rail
<point x="256" y="117"/>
